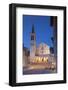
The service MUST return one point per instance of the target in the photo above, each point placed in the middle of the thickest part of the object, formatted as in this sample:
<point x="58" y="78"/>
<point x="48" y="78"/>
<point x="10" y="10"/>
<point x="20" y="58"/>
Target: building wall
<point x="43" y="49"/>
<point x="25" y="57"/>
<point x="32" y="43"/>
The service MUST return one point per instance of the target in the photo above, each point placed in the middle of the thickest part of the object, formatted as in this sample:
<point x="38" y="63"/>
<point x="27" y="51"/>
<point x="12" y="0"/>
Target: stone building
<point x="26" y="54"/>
<point x="40" y="54"/>
<point x="37" y="54"/>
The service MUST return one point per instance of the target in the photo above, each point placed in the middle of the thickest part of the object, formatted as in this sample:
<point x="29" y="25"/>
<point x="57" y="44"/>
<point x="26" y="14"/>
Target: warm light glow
<point x="45" y="59"/>
<point x="40" y="59"/>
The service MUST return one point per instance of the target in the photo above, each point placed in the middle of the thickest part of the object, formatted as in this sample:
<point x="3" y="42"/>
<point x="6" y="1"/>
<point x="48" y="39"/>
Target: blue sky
<point x="42" y="29"/>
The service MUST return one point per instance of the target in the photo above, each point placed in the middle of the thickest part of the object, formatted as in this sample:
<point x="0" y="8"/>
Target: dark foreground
<point x="38" y="71"/>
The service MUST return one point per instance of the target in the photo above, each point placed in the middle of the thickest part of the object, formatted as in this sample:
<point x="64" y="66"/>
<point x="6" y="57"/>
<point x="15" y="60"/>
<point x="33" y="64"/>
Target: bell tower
<point x="32" y="43"/>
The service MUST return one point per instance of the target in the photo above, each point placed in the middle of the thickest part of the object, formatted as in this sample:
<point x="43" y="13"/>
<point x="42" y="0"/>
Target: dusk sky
<point x="42" y="29"/>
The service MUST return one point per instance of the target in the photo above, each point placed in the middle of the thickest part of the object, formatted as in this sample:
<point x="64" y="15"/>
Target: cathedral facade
<point x="40" y="54"/>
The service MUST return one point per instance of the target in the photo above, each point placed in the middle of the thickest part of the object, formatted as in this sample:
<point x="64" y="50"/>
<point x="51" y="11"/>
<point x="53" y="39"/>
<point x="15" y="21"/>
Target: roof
<point x="43" y="45"/>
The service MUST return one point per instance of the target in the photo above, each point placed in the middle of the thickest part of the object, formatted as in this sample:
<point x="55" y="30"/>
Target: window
<point x="32" y="37"/>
